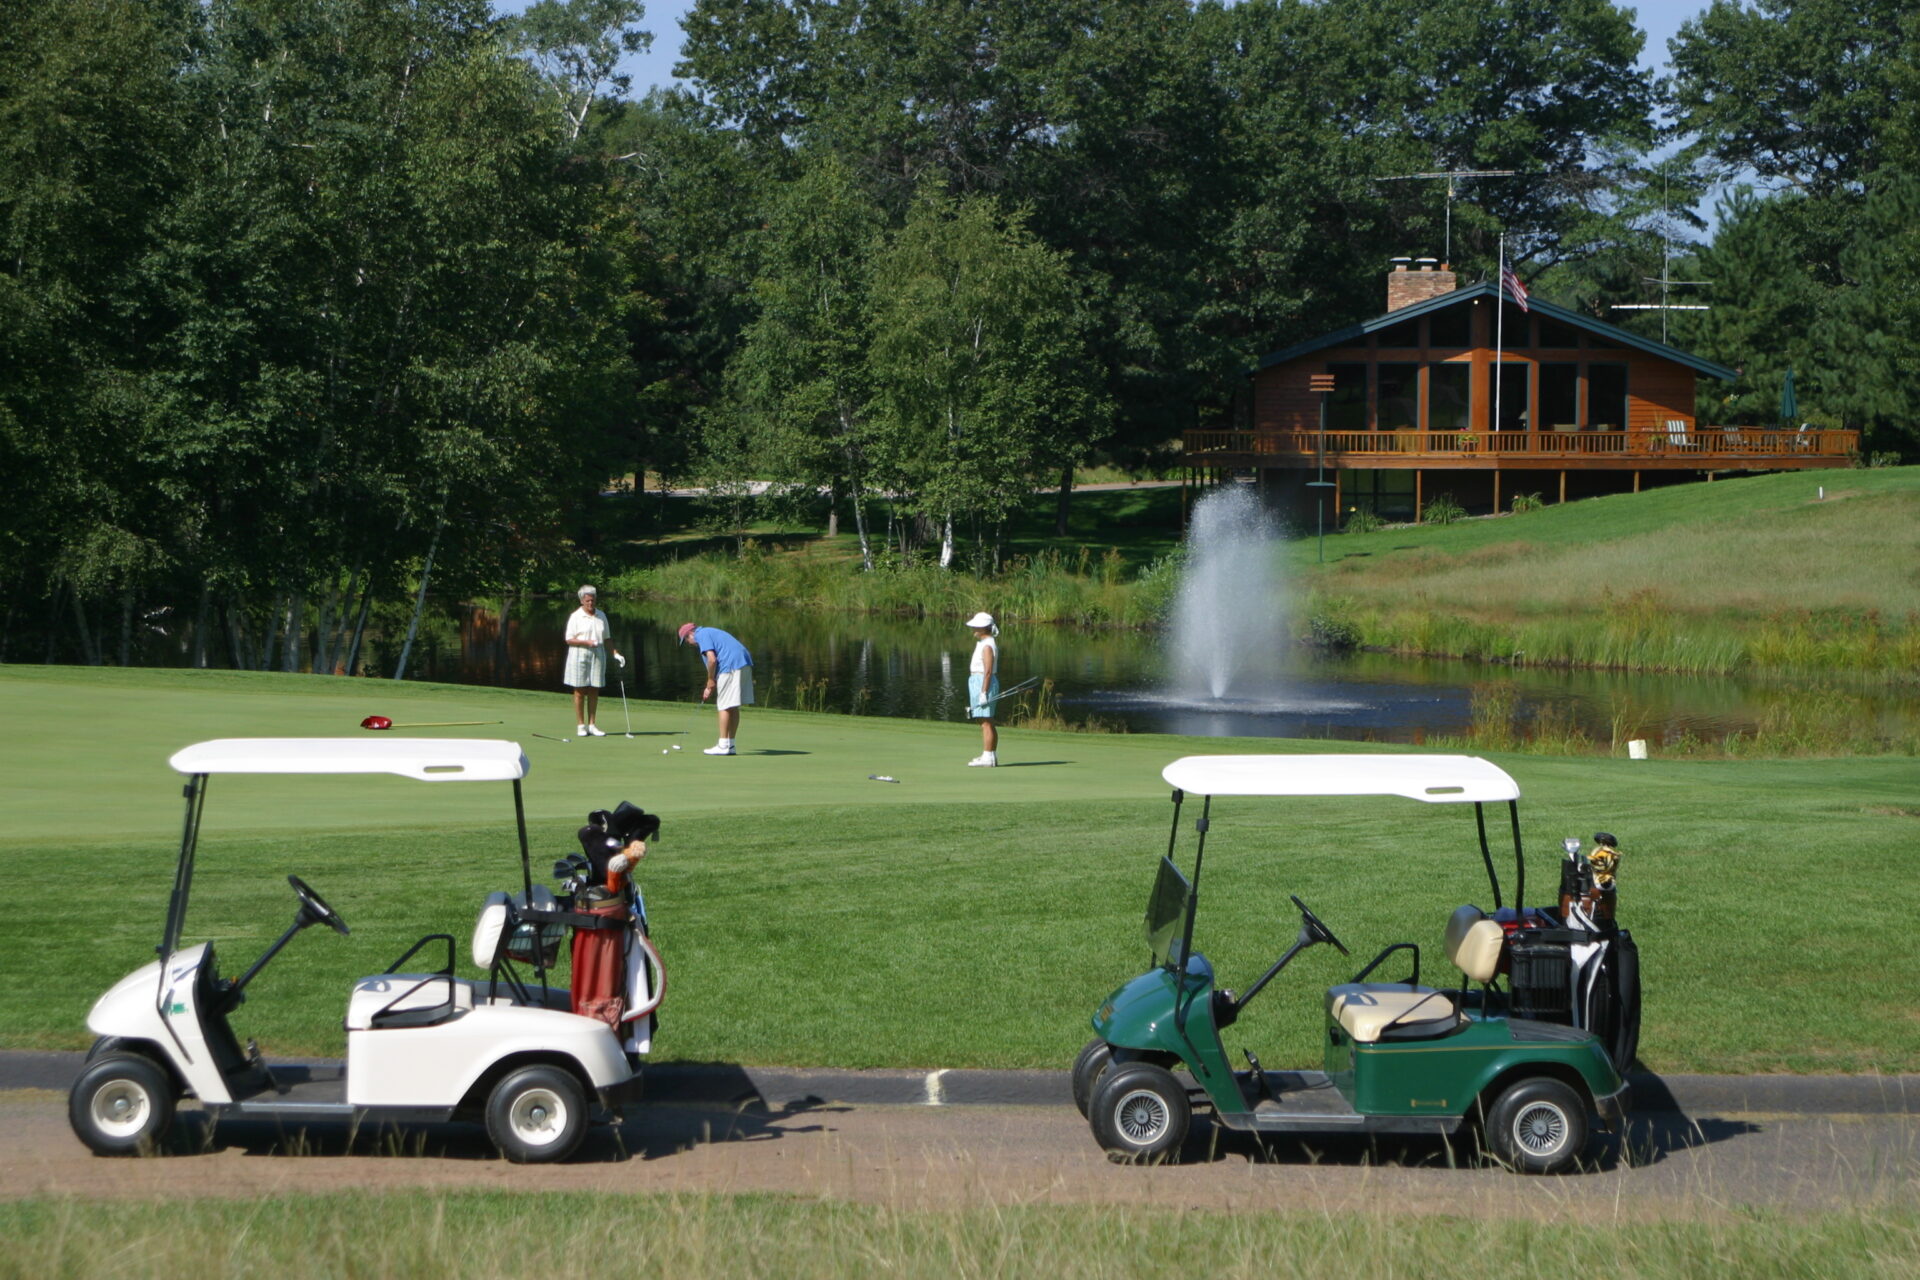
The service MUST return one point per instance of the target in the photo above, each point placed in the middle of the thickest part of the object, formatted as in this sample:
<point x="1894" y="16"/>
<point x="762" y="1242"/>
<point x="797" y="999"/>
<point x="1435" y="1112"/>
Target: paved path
<point x="1013" y="1137"/>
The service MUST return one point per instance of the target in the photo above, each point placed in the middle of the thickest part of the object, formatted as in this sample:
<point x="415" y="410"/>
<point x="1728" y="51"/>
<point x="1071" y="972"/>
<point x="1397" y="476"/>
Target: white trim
<point x="1434" y="779"/>
<point x="428" y="759"/>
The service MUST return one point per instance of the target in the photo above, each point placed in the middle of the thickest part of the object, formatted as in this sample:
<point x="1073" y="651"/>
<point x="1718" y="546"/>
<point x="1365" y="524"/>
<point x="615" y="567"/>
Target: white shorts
<point x="733" y="688"/>
<point x="586" y="668"/>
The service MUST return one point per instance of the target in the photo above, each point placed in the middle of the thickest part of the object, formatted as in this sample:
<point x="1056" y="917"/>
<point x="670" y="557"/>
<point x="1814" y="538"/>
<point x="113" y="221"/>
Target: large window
<point x="1607" y="397"/>
<point x="1399" y="397"/>
<point x="1449" y="402"/>
<point x="1347" y="406"/>
<point x="1512" y="402"/>
<point x="1404" y="334"/>
<point x="1559" y="397"/>
<point x="1451" y="327"/>
<point x="1388" y="494"/>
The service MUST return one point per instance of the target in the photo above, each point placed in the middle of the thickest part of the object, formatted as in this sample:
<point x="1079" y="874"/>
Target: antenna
<point x="1453" y="177"/>
<point x="1664" y="279"/>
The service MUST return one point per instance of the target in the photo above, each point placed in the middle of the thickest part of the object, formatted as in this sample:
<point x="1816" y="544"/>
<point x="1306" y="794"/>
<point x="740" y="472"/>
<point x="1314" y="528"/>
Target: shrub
<point x="1442" y="509"/>
<point x="1525" y="502"/>
<point x="1334" y="634"/>
<point x="1359" y="521"/>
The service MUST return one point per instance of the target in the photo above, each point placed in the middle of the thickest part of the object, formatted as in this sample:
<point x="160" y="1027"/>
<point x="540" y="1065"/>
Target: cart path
<point x="943" y="1157"/>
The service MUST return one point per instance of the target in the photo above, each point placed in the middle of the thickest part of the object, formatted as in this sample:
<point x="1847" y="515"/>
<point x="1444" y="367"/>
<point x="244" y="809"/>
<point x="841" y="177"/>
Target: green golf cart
<point x="1531" y="1040"/>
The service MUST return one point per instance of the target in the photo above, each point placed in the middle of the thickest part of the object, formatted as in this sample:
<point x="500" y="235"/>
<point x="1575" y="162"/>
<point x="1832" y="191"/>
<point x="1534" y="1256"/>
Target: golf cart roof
<point x="428" y="759"/>
<point x="1434" y="779"/>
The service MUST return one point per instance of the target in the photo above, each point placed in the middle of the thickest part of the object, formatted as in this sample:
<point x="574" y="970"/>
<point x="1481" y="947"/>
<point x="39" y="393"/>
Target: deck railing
<point x="1678" y="442"/>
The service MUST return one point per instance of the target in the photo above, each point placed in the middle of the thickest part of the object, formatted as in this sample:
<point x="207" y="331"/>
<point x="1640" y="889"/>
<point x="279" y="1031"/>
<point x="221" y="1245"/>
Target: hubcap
<point x="1142" y="1117"/>
<point x="120" y="1108"/>
<point x="539" y="1116"/>
<point x="1541" y="1128"/>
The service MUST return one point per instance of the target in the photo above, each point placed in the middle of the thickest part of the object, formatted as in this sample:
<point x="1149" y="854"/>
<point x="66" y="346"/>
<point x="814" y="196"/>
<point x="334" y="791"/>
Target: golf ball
<point x="663" y="753"/>
<point x="676" y="746"/>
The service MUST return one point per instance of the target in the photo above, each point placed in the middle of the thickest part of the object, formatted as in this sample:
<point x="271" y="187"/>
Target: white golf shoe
<point x="985" y="760"/>
<point x="580" y="731"/>
<point x="718" y="750"/>
<point x="596" y="731"/>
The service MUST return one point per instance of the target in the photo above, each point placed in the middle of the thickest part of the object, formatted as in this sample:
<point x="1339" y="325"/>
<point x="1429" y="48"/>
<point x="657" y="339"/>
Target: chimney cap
<point x="1427" y="264"/>
<point x="1400" y="264"/>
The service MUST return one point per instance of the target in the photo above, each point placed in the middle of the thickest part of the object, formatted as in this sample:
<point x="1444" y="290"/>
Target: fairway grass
<point x="960" y="918"/>
<point x="476" y="1236"/>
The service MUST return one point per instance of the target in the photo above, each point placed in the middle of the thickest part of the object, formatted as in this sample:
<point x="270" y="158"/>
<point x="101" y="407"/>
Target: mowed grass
<point x="475" y="1236"/>
<point x="961" y="917"/>
<point x="1755" y="573"/>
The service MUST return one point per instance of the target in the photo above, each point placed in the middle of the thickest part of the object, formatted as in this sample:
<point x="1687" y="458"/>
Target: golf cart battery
<point x="1542" y="976"/>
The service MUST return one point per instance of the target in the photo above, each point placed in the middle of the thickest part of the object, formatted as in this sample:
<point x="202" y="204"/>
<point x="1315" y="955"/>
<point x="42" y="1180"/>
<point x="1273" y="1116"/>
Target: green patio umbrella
<point x="1789" y="402"/>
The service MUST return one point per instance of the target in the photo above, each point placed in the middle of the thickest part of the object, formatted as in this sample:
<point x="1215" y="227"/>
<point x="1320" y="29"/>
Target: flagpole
<point x="1499" y="335"/>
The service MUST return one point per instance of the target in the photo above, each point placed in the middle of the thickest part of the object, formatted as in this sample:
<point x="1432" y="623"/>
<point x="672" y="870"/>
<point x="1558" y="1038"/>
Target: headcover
<point x="608" y="832"/>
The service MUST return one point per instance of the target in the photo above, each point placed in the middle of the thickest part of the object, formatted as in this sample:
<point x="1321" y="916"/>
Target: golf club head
<point x="376" y="722"/>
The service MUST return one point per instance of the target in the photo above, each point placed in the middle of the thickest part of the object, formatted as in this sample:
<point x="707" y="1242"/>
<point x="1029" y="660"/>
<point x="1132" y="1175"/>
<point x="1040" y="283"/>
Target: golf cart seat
<point x="1368" y="1011"/>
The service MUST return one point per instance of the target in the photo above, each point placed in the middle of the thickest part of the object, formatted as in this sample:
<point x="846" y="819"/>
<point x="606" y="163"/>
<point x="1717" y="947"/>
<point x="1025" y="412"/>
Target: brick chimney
<point x="1427" y="279"/>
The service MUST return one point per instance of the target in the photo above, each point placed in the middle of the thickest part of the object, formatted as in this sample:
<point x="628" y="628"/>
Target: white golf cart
<point x="421" y="1046"/>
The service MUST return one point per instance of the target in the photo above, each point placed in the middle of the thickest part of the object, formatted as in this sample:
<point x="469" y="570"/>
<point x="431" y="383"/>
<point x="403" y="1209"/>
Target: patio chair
<point x="1677" y="436"/>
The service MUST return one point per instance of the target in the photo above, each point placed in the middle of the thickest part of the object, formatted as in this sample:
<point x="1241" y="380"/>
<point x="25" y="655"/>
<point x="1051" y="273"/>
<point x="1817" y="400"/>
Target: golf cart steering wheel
<point x="1317" y="930"/>
<point x="316" y="906"/>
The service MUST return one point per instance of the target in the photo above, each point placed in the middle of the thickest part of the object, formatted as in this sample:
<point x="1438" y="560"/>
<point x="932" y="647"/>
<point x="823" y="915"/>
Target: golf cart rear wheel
<point x="1092" y="1063"/>
<point x="536" y="1115"/>
<point x="1140" y="1113"/>
<point x="1538" y="1126"/>
<point x="122" y="1105"/>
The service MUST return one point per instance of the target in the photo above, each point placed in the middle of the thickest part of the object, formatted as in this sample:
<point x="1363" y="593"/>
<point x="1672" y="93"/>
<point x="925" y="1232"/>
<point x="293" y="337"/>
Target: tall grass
<point x="1086" y="587"/>
<point x="419" y="1235"/>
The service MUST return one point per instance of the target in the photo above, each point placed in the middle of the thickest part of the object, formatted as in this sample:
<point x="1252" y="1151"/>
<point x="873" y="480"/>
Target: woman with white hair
<point x="588" y="643"/>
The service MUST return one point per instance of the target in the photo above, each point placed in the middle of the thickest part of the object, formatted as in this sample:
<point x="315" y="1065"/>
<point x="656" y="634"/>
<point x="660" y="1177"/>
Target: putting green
<point x="963" y="917"/>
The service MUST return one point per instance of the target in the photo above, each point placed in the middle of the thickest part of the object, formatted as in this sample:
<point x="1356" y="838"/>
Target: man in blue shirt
<point x="729" y="678"/>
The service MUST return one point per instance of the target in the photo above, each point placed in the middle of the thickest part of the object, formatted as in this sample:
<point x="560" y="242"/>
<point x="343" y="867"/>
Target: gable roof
<point x="1486" y="289"/>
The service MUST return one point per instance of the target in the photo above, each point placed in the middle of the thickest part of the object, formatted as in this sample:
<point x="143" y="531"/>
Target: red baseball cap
<point x="686" y="632"/>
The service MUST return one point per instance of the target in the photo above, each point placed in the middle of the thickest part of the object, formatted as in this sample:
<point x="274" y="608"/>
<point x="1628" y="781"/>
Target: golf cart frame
<point x="421" y="1046"/>
<point x="1399" y="1058"/>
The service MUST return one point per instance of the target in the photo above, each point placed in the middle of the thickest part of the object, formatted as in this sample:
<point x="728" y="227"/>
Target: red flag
<point x="1514" y="287"/>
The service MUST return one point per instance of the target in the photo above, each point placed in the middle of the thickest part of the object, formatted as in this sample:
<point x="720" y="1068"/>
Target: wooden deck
<point x="1668" y="449"/>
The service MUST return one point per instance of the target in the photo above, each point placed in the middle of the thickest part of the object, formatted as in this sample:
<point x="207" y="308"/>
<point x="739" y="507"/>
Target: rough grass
<point x="1753" y="574"/>
<point x="479" y="1235"/>
<point x="964" y="917"/>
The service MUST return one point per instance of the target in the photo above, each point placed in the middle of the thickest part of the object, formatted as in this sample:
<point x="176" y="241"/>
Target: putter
<point x="623" y="706"/>
<point x="381" y="722"/>
<point x="550" y="738"/>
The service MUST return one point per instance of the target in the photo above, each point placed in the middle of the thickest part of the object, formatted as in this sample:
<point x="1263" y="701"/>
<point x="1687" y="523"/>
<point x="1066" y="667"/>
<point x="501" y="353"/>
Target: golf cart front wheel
<point x="536" y="1115"/>
<point x="122" y="1105"/>
<point x="1140" y="1113"/>
<point x="1093" y="1062"/>
<point x="1538" y="1126"/>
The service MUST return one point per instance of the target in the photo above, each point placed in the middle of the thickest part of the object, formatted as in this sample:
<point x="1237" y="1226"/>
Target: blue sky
<point x="1659" y="19"/>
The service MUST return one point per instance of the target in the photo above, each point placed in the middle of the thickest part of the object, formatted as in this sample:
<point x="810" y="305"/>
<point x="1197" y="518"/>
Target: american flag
<point x="1512" y="284"/>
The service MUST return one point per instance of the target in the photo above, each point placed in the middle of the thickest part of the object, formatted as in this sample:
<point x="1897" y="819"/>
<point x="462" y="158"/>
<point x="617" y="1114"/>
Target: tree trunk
<point x="1065" y="500"/>
<point x="296" y="631"/>
<point x="420" y="598"/>
<point x="946" y="542"/>
<point x="359" y="626"/>
<point x="200" y="622"/>
<point x="236" y="644"/>
<point x="88" y="652"/>
<point x="860" y="525"/>
<point x="126" y="626"/>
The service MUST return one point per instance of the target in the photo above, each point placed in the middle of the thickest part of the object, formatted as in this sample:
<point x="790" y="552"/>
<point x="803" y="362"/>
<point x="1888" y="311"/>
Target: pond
<point x="916" y="668"/>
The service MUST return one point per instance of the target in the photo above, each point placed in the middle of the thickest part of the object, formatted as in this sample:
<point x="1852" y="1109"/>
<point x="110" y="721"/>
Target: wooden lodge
<point x="1412" y="409"/>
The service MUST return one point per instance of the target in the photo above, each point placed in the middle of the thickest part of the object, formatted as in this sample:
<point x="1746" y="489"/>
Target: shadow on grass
<point x="1030" y="764"/>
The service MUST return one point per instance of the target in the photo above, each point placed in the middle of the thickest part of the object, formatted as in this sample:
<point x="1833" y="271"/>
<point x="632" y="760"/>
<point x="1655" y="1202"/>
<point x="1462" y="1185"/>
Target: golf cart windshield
<point x="1166" y="912"/>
